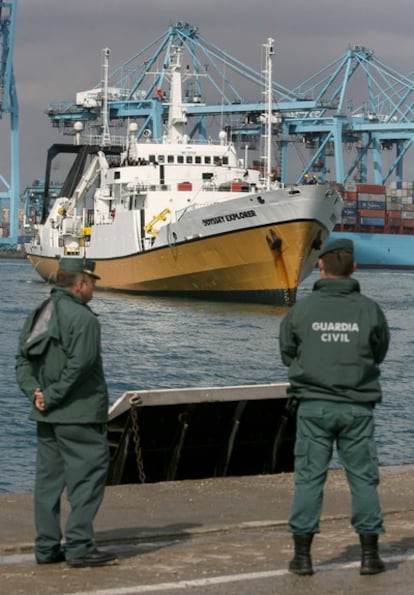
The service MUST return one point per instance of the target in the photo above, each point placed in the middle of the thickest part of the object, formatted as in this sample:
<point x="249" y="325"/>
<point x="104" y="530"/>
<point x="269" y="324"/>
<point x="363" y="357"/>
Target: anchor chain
<point x="135" y="402"/>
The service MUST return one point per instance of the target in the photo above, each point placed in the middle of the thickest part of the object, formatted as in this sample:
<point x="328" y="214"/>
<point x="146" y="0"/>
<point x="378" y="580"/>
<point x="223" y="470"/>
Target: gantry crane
<point x="351" y="121"/>
<point x="367" y="140"/>
<point x="9" y="194"/>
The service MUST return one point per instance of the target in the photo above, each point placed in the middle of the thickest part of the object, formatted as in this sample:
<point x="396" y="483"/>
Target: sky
<point x="58" y="45"/>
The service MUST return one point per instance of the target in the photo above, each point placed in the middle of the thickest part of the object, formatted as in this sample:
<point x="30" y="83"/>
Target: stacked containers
<point x="371" y="205"/>
<point x="401" y="206"/>
<point x="378" y="208"/>
<point x="349" y="209"/>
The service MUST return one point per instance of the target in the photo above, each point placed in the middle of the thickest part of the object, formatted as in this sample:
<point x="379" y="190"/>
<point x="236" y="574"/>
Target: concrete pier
<point x="216" y="536"/>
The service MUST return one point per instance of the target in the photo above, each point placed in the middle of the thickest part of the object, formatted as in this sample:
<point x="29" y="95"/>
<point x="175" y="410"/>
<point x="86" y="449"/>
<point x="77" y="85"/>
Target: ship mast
<point x="106" y="136"/>
<point x="177" y="117"/>
<point x="268" y="116"/>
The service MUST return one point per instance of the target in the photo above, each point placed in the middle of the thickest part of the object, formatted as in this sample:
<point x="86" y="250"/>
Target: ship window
<point x="207" y="159"/>
<point x="197" y="159"/>
<point x="180" y="159"/>
<point x="170" y="158"/>
<point x="225" y="160"/>
<point x="161" y="158"/>
<point x="152" y="158"/>
<point x="117" y="175"/>
<point x="189" y="159"/>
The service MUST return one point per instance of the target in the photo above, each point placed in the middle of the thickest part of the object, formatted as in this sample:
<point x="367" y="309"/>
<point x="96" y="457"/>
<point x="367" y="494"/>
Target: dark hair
<point x="339" y="264"/>
<point x="67" y="278"/>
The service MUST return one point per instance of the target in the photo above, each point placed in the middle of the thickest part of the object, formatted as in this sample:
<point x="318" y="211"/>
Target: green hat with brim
<point x="340" y="245"/>
<point x="78" y="265"/>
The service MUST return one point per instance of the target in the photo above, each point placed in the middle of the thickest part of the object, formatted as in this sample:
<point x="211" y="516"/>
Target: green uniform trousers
<point x="320" y="425"/>
<point x="75" y="457"/>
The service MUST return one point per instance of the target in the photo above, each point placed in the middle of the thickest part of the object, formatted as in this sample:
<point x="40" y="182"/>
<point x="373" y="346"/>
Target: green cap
<point x="340" y="245"/>
<point x="78" y="265"/>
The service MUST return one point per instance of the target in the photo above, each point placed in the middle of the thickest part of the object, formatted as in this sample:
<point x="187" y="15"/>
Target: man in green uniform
<point x="333" y="342"/>
<point x="59" y="368"/>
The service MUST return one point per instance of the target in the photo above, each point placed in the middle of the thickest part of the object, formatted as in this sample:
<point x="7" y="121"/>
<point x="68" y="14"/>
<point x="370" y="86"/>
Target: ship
<point x="380" y="221"/>
<point x="174" y="217"/>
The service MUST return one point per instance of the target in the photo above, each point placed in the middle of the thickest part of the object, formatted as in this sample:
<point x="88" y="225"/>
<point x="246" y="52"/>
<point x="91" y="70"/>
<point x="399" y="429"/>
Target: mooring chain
<point x="135" y="402"/>
<point x="286" y="296"/>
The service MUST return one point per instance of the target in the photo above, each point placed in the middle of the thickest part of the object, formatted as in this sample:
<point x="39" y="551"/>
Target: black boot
<point x="301" y="563"/>
<point x="371" y="563"/>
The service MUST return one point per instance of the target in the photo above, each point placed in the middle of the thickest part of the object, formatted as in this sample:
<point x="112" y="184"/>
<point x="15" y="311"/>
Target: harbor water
<point x="153" y="343"/>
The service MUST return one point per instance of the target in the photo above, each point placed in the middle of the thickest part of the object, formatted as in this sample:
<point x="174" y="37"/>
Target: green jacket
<point x="60" y="351"/>
<point x="333" y="342"/>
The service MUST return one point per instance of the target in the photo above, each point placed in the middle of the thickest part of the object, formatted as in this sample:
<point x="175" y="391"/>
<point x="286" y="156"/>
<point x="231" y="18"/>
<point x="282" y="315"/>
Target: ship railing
<point x="96" y="140"/>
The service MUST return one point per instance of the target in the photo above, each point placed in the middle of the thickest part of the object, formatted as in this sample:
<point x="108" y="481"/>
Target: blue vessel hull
<point x="381" y="250"/>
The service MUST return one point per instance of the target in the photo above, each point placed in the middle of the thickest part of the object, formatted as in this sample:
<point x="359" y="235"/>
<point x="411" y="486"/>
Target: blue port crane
<point x="352" y="120"/>
<point x="9" y="193"/>
<point x="371" y="128"/>
<point x="137" y="88"/>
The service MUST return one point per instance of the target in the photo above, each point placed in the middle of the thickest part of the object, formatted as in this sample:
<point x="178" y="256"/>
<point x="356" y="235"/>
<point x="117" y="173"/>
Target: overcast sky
<point x="58" y="45"/>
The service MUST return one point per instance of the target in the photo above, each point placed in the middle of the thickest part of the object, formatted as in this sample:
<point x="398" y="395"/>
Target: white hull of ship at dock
<point x="253" y="247"/>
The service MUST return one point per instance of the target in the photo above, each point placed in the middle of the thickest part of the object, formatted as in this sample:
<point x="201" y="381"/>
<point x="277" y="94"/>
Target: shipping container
<point x="348" y="220"/>
<point x="350" y="203"/>
<point x="350" y="195"/>
<point x="371" y="204"/>
<point x="373" y="221"/>
<point x="371" y="213"/>
<point x="393" y="198"/>
<point x="349" y="212"/>
<point x="394" y="206"/>
<point x="371" y="197"/>
<point x="371" y="188"/>
<point x="350" y="187"/>
<point x="24" y="239"/>
<point x="395" y="220"/>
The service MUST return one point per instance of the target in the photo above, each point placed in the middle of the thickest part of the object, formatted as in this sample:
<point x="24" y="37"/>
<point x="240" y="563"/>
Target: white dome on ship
<point x="222" y="137"/>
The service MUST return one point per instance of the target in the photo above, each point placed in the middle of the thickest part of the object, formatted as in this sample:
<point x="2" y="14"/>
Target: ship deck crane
<point x="315" y="127"/>
<point x="9" y="182"/>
